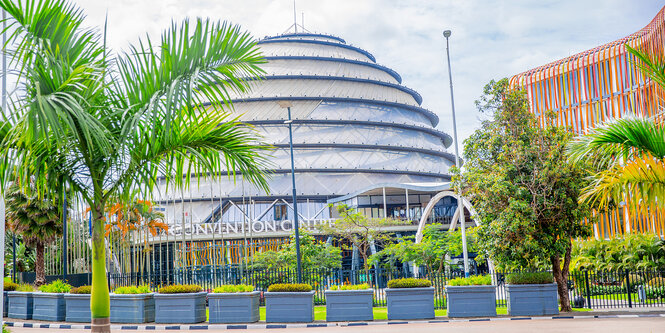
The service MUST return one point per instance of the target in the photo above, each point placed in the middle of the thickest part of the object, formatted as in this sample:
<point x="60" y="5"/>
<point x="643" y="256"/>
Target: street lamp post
<point x="460" y="205"/>
<point x="296" y="224"/>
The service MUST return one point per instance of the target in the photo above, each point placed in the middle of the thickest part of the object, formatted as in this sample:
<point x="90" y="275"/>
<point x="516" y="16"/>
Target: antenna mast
<point x="295" y="20"/>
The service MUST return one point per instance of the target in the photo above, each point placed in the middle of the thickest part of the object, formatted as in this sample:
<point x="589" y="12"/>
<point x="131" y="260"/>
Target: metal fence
<point x="590" y="289"/>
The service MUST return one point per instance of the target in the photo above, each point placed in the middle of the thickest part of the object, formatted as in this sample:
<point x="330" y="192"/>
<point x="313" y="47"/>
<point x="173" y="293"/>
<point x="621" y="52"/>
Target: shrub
<point x="478" y="280"/>
<point x="142" y="289"/>
<point x="57" y="286"/>
<point x="362" y="286"/>
<point x="655" y="292"/>
<point x="81" y="290"/>
<point x="655" y="282"/>
<point x="290" y="287"/>
<point x="409" y="283"/>
<point x="234" y="288"/>
<point x="635" y="280"/>
<point x="10" y="286"/>
<point x="25" y="287"/>
<point x="530" y="278"/>
<point x="180" y="289"/>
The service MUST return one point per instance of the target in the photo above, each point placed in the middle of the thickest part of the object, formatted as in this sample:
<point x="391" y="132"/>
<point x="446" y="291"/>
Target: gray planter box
<point x="20" y="304"/>
<point x="77" y="308"/>
<point x="48" y="306"/>
<point x="180" y="308"/>
<point x="132" y="308"/>
<point x="349" y="305"/>
<point x="289" y="307"/>
<point x="532" y="299"/>
<point x="471" y="301"/>
<point x="233" y="307"/>
<point x="410" y="303"/>
<point x="5" y="304"/>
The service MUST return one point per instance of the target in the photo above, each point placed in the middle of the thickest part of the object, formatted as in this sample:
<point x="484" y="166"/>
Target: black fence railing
<point x="590" y="289"/>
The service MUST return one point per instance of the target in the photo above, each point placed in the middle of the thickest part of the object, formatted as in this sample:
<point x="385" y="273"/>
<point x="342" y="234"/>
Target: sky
<point x="490" y="39"/>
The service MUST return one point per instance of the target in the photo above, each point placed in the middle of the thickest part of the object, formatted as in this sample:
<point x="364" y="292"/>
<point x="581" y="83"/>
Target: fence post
<point x="630" y="300"/>
<point x="588" y="288"/>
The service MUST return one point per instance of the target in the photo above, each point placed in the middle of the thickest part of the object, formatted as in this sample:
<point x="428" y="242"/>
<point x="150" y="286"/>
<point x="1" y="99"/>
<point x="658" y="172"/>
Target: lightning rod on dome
<point x="295" y="24"/>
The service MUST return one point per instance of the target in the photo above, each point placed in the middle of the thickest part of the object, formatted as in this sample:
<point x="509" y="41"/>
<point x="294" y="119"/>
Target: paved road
<point x="605" y="325"/>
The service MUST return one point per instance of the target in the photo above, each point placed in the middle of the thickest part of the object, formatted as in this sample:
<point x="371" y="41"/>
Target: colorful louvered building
<point x="596" y="85"/>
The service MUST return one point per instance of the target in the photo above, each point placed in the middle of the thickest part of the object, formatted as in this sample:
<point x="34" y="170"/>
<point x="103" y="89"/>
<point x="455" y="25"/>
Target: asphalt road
<point x="599" y="325"/>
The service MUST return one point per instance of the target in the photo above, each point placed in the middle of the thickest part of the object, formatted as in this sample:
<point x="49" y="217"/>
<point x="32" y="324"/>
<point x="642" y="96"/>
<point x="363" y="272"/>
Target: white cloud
<point x="491" y="39"/>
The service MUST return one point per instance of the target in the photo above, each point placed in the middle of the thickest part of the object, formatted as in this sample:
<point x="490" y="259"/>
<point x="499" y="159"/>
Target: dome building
<point x="359" y="136"/>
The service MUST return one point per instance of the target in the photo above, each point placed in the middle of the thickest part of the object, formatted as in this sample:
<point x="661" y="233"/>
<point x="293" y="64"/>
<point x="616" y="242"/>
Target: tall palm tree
<point x="37" y="220"/>
<point x="112" y="126"/>
<point x="627" y="155"/>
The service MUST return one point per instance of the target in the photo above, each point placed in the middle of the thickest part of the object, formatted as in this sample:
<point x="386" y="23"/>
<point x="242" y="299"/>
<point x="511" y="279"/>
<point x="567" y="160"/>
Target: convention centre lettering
<point x="242" y="227"/>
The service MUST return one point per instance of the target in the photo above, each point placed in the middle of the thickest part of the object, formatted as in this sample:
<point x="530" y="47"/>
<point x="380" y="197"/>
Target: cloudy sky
<point x="490" y="39"/>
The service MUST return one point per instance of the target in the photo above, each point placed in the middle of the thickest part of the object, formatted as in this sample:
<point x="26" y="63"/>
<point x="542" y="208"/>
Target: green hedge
<point x="233" y="288"/>
<point x="81" y="290"/>
<point x="477" y="280"/>
<point x="132" y="290"/>
<point x="409" y="283"/>
<point x="180" y="289"/>
<point x="655" y="282"/>
<point x="25" y="287"/>
<point x="10" y="286"/>
<point x="290" y="287"/>
<point x="57" y="286"/>
<point x="530" y="278"/>
<point x="362" y="286"/>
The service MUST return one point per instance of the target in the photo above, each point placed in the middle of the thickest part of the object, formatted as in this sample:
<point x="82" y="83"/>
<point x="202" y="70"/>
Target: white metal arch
<point x="430" y="206"/>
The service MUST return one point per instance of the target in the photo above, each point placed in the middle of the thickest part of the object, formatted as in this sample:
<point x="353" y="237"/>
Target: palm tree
<point x="114" y="126"/>
<point x="37" y="220"/>
<point x="627" y="155"/>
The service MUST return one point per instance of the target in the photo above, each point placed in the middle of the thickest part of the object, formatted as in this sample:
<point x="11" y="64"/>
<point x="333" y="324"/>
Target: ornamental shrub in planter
<point x="289" y="303"/>
<point x="132" y="304"/>
<point x="531" y="294"/>
<point x="49" y="302"/>
<point x="77" y="305"/>
<point x="233" y="304"/>
<point x="349" y="303"/>
<point x="8" y="286"/>
<point x="181" y="303"/>
<point x="471" y="297"/>
<point x="410" y="299"/>
<point x="20" y="302"/>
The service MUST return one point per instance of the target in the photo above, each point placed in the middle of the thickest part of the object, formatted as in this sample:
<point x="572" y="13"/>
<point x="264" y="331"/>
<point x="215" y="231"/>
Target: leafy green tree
<point x="314" y="254"/>
<point x="524" y="190"/>
<point x="37" y="220"/>
<point x="111" y="126"/>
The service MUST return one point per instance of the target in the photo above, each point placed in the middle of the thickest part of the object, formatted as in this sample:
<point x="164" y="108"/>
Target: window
<point x="281" y="212"/>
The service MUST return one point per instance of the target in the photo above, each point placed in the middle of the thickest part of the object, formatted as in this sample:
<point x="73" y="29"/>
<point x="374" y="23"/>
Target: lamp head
<point x="446" y="33"/>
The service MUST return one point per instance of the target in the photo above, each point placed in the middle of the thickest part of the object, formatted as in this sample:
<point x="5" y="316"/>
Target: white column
<point x="385" y="206"/>
<point x="408" y="215"/>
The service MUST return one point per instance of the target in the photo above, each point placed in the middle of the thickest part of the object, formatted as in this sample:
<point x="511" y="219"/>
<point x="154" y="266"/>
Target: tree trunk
<point x="40" y="275"/>
<point x="561" y="278"/>
<point x="99" y="298"/>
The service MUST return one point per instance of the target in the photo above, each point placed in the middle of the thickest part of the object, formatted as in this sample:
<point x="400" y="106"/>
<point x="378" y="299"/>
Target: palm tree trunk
<point x="40" y="276"/>
<point x="99" y="297"/>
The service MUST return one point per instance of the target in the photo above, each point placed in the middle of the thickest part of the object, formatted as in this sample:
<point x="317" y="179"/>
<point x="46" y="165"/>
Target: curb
<point x="340" y="324"/>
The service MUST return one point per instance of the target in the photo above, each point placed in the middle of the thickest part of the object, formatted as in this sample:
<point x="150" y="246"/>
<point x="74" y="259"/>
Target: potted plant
<point x="8" y="286"/>
<point x="349" y="303"/>
<point x="531" y="294"/>
<point x="20" y="302"/>
<point x="233" y="304"/>
<point x="49" y="302"/>
<point x="289" y="303"/>
<point x="471" y="297"/>
<point x="410" y="298"/>
<point x="132" y="304"/>
<point x="180" y="303"/>
<point x="77" y="305"/>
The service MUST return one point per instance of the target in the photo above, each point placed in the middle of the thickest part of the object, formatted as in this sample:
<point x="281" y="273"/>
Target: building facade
<point x="594" y="86"/>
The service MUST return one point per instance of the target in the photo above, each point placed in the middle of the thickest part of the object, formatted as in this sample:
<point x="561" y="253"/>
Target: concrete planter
<point x="471" y="301"/>
<point x="48" y="306"/>
<point x="532" y="299"/>
<point x="20" y="304"/>
<point x="410" y="303"/>
<point x="77" y="308"/>
<point x="289" y="307"/>
<point x="233" y="307"/>
<point x="180" y="308"/>
<point x="5" y="304"/>
<point x="132" y="308"/>
<point x="349" y="305"/>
